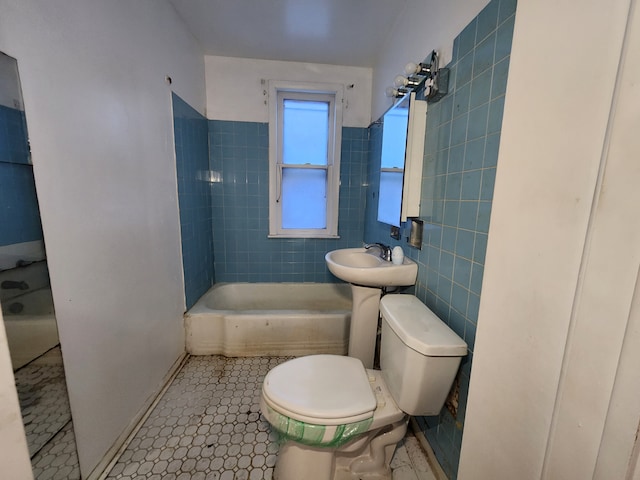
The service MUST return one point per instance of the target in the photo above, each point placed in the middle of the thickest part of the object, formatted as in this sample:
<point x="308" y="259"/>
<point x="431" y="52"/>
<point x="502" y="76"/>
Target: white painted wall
<point x="100" y="124"/>
<point x="235" y="91"/>
<point x="555" y="297"/>
<point x="420" y="28"/>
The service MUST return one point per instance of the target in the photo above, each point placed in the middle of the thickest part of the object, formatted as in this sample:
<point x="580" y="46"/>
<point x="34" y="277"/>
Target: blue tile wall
<point x="14" y="144"/>
<point x="194" y="197"/>
<point x="460" y="159"/>
<point x="19" y="212"/>
<point x="239" y="153"/>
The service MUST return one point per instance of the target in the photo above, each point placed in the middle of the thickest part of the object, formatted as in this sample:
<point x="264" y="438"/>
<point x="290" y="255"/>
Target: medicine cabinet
<point x="403" y="134"/>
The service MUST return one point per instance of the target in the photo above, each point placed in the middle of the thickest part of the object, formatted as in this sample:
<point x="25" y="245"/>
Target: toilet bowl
<point x="340" y="421"/>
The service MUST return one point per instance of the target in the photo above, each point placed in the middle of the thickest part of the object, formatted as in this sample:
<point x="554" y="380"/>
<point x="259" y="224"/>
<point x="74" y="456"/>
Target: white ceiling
<point x="337" y="32"/>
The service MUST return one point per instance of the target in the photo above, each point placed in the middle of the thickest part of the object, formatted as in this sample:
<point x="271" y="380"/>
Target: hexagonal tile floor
<point x="207" y="426"/>
<point x="43" y="399"/>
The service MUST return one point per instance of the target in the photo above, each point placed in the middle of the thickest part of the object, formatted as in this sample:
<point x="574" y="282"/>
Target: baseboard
<point x="110" y="458"/>
<point x="437" y="470"/>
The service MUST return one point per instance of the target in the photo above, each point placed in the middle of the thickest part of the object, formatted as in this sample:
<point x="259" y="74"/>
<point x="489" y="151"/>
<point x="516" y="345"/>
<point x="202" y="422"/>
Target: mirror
<point x="403" y="133"/>
<point x="25" y="295"/>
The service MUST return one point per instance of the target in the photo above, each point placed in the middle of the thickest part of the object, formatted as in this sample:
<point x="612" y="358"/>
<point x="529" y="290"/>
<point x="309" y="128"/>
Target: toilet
<point x="340" y="421"/>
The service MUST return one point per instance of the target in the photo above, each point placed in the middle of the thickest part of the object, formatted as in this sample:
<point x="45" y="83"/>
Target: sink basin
<point x="363" y="267"/>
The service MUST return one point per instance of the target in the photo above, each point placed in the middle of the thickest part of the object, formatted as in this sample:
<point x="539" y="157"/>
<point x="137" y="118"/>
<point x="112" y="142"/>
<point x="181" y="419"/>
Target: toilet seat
<point x="321" y="390"/>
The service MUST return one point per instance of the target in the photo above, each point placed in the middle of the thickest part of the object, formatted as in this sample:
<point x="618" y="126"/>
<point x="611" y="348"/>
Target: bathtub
<point x="30" y="323"/>
<point x="270" y="319"/>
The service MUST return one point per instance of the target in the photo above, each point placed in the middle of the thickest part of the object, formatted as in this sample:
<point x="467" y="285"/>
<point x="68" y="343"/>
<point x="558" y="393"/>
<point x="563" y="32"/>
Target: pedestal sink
<point x="368" y="274"/>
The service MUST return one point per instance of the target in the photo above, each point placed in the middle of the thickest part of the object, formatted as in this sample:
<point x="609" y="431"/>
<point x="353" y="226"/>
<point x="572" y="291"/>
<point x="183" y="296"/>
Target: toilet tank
<point x="419" y="355"/>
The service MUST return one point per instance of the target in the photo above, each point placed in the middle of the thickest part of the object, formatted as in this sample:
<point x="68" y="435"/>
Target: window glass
<point x="305" y="132"/>
<point x="304" y="198"/>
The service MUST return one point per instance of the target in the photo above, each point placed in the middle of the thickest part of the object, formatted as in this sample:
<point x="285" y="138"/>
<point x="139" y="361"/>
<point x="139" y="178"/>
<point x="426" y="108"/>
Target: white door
<point x="597" y="410"/>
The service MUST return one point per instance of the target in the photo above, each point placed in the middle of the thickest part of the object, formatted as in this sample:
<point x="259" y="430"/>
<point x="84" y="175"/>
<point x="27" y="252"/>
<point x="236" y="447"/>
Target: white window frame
<point x="333" y="93"/>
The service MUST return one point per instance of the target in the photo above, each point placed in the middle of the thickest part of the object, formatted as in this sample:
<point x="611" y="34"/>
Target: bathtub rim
<point x="201" y="308"/>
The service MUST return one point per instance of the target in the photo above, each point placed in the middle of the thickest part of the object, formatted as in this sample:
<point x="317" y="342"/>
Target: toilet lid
<point x="322" y="389"/>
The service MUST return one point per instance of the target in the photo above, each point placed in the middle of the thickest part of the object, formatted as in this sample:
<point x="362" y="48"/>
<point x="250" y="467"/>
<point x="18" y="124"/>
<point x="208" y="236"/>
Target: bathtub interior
<point x="276" y="296"/>
<point x="30" y="324"/>
<point x="33" y="276"/>
<point x="34" y="303"/>
<point x="28" y="313"/>
<point x="270" y="319"/>
<point x="30" y="337"/>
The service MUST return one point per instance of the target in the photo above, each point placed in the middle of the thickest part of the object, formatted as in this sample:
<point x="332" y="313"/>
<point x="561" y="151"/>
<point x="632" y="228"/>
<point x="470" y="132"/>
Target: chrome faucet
<point x="385" y="250"/>
<point x="11" y="284"/>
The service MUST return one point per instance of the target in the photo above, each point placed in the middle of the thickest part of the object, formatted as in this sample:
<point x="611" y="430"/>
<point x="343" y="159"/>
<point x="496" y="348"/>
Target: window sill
<point x="301" y="235"/>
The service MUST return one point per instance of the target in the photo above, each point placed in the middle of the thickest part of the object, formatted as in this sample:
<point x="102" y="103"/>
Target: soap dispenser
<point x="397" y="255"/>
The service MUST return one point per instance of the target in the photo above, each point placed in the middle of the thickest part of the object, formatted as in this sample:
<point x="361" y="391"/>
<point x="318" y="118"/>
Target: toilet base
<point x="365" y="458"/>
<point x="296" y="461"/>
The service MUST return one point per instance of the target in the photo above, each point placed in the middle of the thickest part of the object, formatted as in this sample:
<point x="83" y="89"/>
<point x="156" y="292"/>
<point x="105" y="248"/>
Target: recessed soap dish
<point x="415" y="232"/>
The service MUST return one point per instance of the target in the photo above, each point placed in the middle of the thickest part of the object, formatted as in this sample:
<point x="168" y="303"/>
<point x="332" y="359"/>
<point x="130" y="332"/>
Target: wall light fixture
<point x="421" y="76"/>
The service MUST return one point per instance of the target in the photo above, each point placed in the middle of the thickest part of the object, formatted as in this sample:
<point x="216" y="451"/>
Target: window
<point x="304" y="159"/>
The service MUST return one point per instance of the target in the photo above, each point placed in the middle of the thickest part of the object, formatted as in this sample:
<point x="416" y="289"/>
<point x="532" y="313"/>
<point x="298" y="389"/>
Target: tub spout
<point x="11" y="284"/>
